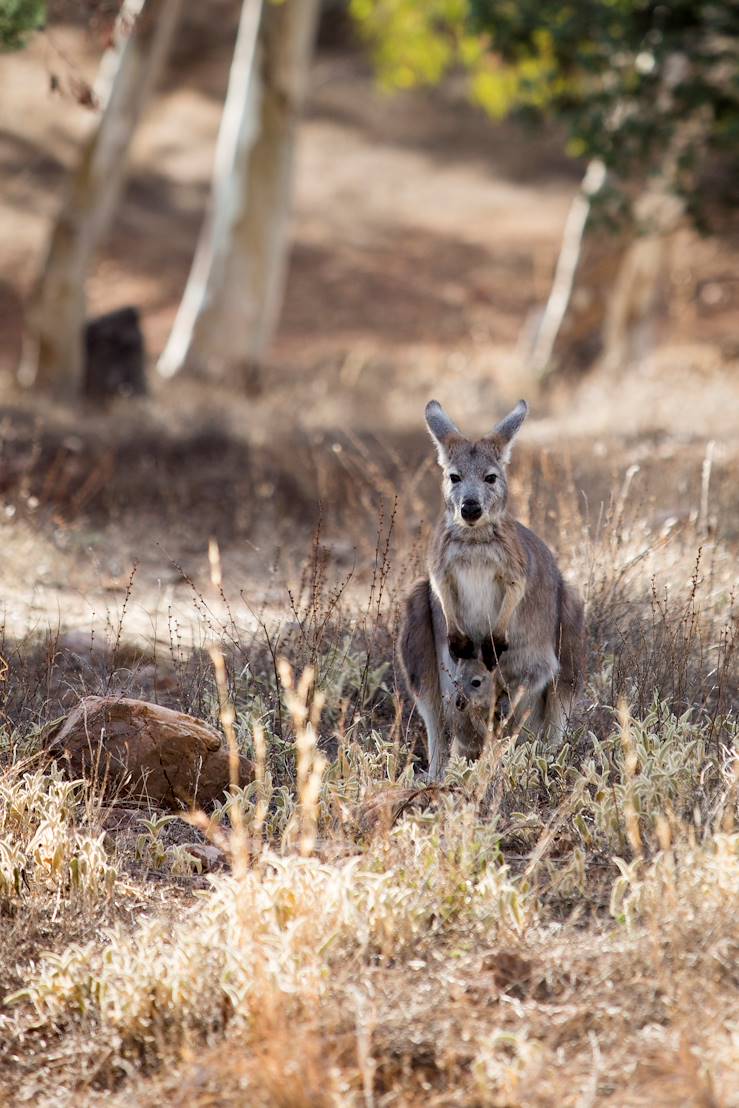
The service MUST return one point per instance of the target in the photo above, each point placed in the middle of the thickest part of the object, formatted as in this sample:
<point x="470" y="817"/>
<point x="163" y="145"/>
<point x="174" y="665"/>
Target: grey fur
<point x="477" y="709"/>
<point x="511" y="424"/>
<point x="440" y="426"/>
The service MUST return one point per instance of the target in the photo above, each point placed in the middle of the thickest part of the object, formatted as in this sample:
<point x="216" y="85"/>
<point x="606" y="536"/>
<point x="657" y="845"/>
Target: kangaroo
<point x="477" y="707"/>
<point x="493" y="587"/>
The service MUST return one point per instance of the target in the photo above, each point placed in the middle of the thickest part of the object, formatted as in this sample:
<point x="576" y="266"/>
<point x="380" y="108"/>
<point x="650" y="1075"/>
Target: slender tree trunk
<point x="609" y="287"/>
<point x="570" y="335"/>
<point x="53" y="346"/>
<point x="639" y="294"/>
<point x="234" y="292"/>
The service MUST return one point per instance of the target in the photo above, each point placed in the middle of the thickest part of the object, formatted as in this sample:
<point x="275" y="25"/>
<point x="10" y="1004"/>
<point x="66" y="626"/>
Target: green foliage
<point x="636" y="82"/>
<point x="18" y="18"/>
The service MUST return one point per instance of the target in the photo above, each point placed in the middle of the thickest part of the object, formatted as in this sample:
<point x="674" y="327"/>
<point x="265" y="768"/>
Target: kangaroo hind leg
<point x="555" y="718"/>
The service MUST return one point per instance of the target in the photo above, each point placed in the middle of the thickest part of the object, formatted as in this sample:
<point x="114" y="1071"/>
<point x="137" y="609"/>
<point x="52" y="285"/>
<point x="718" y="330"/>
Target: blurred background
<point x="243" y="243"/>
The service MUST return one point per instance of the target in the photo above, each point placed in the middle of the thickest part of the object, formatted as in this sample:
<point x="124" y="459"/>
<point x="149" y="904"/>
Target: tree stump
<point x="115" y="363"/>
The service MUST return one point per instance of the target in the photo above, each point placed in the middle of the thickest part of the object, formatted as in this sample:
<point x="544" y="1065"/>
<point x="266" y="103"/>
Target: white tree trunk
<point x="234" y="292"/>
<point x="53" y="345"/>
<point x="609" y="286"/>
<point x="574" y="302"/>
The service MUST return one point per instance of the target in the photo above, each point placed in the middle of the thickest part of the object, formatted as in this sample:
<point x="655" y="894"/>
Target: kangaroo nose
<point x="476" y="682"/>
<point x="471" y="510"/>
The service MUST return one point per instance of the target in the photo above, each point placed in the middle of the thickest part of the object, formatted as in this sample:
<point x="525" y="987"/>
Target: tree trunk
<point x="570" y="335"/>
<point x="53" y="346"/>
<point x="610" y="286"/>
<point x="638" y="292"/>
<point x="234" y="292"/>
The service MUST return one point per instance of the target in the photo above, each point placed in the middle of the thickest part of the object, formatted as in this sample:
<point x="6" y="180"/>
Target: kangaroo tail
<point x="571" y="638"/>
<point x="417" y="649"/>
<point x="417" y="644"/>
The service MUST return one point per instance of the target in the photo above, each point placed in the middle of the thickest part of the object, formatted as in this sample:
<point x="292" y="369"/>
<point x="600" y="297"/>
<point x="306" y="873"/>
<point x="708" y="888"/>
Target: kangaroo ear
<point x="442" y="430"/>
<point x="504" y="432"/>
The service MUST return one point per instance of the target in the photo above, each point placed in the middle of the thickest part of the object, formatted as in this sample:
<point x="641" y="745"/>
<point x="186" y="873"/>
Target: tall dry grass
<point x="542" y="929"/>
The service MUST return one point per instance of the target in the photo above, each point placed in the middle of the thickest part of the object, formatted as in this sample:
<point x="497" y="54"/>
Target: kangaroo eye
<point x="454" y="478"/>
<point x="491" y="478"/>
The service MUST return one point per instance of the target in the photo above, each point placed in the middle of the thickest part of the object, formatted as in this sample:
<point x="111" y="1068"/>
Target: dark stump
<point x="114" y="356"/>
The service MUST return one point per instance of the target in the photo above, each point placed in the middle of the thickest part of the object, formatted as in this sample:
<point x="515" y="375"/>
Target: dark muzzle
<point x="471" y="511"/>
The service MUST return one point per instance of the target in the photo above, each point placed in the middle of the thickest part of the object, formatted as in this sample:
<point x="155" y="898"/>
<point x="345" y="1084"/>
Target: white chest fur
<point x="479" y="596"/>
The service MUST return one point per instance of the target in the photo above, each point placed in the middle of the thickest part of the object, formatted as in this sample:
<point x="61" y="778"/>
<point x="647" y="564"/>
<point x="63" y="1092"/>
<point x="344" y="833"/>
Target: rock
<point x="142" y="750"/>
<point x="209" y="856"/>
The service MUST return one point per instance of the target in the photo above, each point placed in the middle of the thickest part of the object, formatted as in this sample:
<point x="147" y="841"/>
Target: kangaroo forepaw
<point x="492" y="648"/>
<point x="460" y="646"/>
<point x="502" y="708"/>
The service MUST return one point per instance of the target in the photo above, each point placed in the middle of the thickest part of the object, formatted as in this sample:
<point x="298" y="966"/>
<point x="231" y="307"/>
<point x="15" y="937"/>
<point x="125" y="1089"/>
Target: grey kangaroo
<point x="476" y="710"/>
<point x="493" y="589"/>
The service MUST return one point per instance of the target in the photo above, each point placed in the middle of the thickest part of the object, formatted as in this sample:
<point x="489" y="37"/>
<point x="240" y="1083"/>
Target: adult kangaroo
<point x="494" y="590"/>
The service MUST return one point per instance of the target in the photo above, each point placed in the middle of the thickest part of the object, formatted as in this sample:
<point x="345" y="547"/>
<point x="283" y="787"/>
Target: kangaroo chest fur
<point x="479" y="594"/>
<point x="473" y="578"/>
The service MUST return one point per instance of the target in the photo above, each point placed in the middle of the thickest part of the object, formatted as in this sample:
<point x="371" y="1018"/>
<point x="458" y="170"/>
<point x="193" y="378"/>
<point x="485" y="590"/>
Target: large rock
<point x="140" y="749"/>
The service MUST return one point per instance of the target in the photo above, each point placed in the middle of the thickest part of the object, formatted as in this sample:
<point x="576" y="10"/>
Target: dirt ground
<point x="424" y="243"/>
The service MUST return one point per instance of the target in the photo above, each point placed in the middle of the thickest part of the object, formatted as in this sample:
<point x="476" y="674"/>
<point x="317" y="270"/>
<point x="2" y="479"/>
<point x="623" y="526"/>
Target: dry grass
<point x="544" y="930"/>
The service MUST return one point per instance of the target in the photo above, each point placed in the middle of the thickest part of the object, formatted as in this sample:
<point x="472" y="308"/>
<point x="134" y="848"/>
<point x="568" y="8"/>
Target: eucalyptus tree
<point x="234" y="290"/>
<point x="53" y="353"/>
<point x="647" y="92"/>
